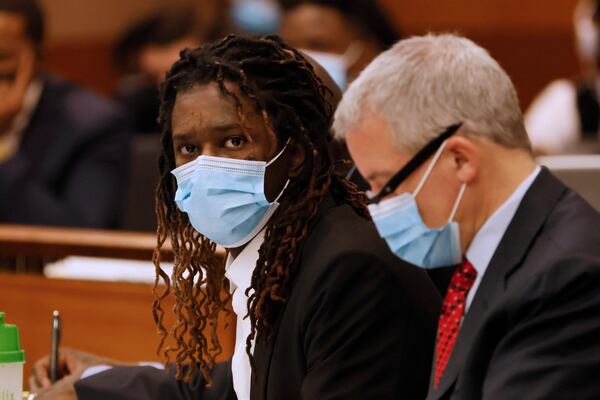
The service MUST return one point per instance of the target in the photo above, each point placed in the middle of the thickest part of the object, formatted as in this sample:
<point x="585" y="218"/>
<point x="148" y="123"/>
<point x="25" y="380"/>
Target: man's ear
<point x="465" y="157"/>
<point x="297" y="157"/>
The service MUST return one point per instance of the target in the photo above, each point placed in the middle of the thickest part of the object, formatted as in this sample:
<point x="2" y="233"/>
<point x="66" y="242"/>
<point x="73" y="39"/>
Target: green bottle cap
<point x="10" y="346"/>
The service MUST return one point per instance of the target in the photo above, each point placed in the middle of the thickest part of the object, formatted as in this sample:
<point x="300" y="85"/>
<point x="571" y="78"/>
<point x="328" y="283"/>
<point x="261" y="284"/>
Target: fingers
<point x="40" y="374"/>
<point x="34" y="385"/>
<point x="71" y="364"/>
<point x="63" y="389"/>
<point x="74" y="363"/>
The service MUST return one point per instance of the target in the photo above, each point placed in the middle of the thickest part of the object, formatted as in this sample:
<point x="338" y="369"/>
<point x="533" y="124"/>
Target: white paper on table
<point x="104" y="269"/>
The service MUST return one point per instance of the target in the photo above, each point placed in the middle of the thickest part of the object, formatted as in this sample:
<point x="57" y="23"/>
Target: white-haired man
<point x="435" y="127"/>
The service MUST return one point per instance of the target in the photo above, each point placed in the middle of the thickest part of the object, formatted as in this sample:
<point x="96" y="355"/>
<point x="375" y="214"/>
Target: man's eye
<point x="188" y="149"/>
<point x="235" y="142"/>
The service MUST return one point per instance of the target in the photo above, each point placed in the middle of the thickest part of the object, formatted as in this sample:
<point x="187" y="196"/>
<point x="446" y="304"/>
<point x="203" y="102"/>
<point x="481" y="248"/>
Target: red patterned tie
<point x="453" y="310"/>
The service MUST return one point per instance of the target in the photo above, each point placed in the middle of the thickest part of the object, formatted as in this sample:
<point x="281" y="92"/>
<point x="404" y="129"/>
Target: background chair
<point x="580" y="172"/>
<point x="138" y="213"/>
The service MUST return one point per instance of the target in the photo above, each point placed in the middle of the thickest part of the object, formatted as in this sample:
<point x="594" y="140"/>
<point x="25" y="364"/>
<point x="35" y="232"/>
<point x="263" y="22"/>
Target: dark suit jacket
<point x="358" y="324"/>
<point x="533" y="329"/>
<point x="72" y="163"/>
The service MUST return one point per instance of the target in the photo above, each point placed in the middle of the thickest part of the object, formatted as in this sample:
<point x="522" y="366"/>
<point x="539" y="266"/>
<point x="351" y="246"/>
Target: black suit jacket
<point x="533" y="329"/>
<point x="358" y="324"/>
<point x="72" y="163"/>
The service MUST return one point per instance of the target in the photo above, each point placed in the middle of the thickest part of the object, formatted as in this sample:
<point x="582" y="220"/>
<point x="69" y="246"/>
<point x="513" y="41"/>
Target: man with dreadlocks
<point x="324" y="309"/>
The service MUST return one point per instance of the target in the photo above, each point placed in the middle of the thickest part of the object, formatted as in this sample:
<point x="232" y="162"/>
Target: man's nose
<point x="210" y="150"/>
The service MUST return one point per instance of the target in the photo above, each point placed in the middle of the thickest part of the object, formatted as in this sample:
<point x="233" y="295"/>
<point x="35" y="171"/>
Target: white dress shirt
<point x="239" y="272"/>
<point x="552" y="120"/>
<point x="486" y="241"/>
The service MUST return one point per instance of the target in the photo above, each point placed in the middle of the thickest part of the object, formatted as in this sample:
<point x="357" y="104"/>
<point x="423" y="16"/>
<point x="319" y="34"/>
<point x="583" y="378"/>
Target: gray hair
<point x="424" y="84"/>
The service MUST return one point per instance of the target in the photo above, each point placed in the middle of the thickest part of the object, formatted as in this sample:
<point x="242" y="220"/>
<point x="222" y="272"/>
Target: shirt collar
<point x="484" y="244"/>
<point x="30" y="102"/>
<point x="239" y="269"/>
<point x="10" y="140"/>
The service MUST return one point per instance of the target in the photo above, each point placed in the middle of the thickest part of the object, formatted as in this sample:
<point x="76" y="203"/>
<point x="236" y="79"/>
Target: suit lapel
<point x="263" y="350"/>
<point x="48" y="139"/>
<point x="538" y="203"/>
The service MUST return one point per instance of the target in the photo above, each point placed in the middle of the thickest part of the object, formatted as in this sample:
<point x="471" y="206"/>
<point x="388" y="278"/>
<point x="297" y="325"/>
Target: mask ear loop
<point x="282" y="190"/>
<point x="280" y="153"/>
<point x="429" y="169"/>
<point x="461" y="192"/>
<point x="271" y="162"/>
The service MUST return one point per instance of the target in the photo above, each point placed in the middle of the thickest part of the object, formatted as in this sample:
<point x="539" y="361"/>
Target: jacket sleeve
<point x="552" y="350"/>
<point x="90" y="192"/>
<point x="365" y="337"/>
<point x="148" y="383"/>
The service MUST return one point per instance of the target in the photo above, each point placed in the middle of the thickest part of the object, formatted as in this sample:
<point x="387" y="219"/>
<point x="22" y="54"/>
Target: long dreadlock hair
<point x="285" y="91"/>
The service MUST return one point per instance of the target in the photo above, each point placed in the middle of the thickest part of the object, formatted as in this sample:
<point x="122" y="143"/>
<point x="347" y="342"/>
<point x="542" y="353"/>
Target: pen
<point x="55" y="344"/>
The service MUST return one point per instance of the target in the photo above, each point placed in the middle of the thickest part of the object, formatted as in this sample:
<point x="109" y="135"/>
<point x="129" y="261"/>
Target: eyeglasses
<point x="419" y="158"/>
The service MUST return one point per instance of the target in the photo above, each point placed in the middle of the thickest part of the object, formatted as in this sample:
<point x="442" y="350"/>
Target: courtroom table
<point x="25" y="248"/>
<point x="112" y="319"/>
<point x="59" y="242"/>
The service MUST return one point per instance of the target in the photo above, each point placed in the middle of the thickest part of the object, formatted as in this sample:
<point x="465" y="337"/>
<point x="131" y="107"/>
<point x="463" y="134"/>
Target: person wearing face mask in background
<point x="254" y="17"/>
<point x="343" y="36"/>
<point x="565" y="117"/>
<point x="435" y="127"/>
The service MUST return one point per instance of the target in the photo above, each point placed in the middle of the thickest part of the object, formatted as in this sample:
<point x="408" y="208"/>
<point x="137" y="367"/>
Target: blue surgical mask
<point x="224" y="198"/>
<point x="337" y="65"/>
<point x="399" y="222"/>
<point x="334" y="64"/>
<point x="256" y="16"/>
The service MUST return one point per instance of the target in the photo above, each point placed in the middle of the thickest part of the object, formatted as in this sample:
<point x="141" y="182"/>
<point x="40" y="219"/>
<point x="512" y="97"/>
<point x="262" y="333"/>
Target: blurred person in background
<point x="565" y="116"/>
<point x="341" y="35"/>
<point x="144" y="53"/>
<point x="253" y="17"/>
<point x="63" y="150"/>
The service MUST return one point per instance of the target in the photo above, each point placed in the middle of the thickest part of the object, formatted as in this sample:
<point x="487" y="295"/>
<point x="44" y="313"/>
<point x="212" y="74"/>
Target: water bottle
<point x="12" y="358"/>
